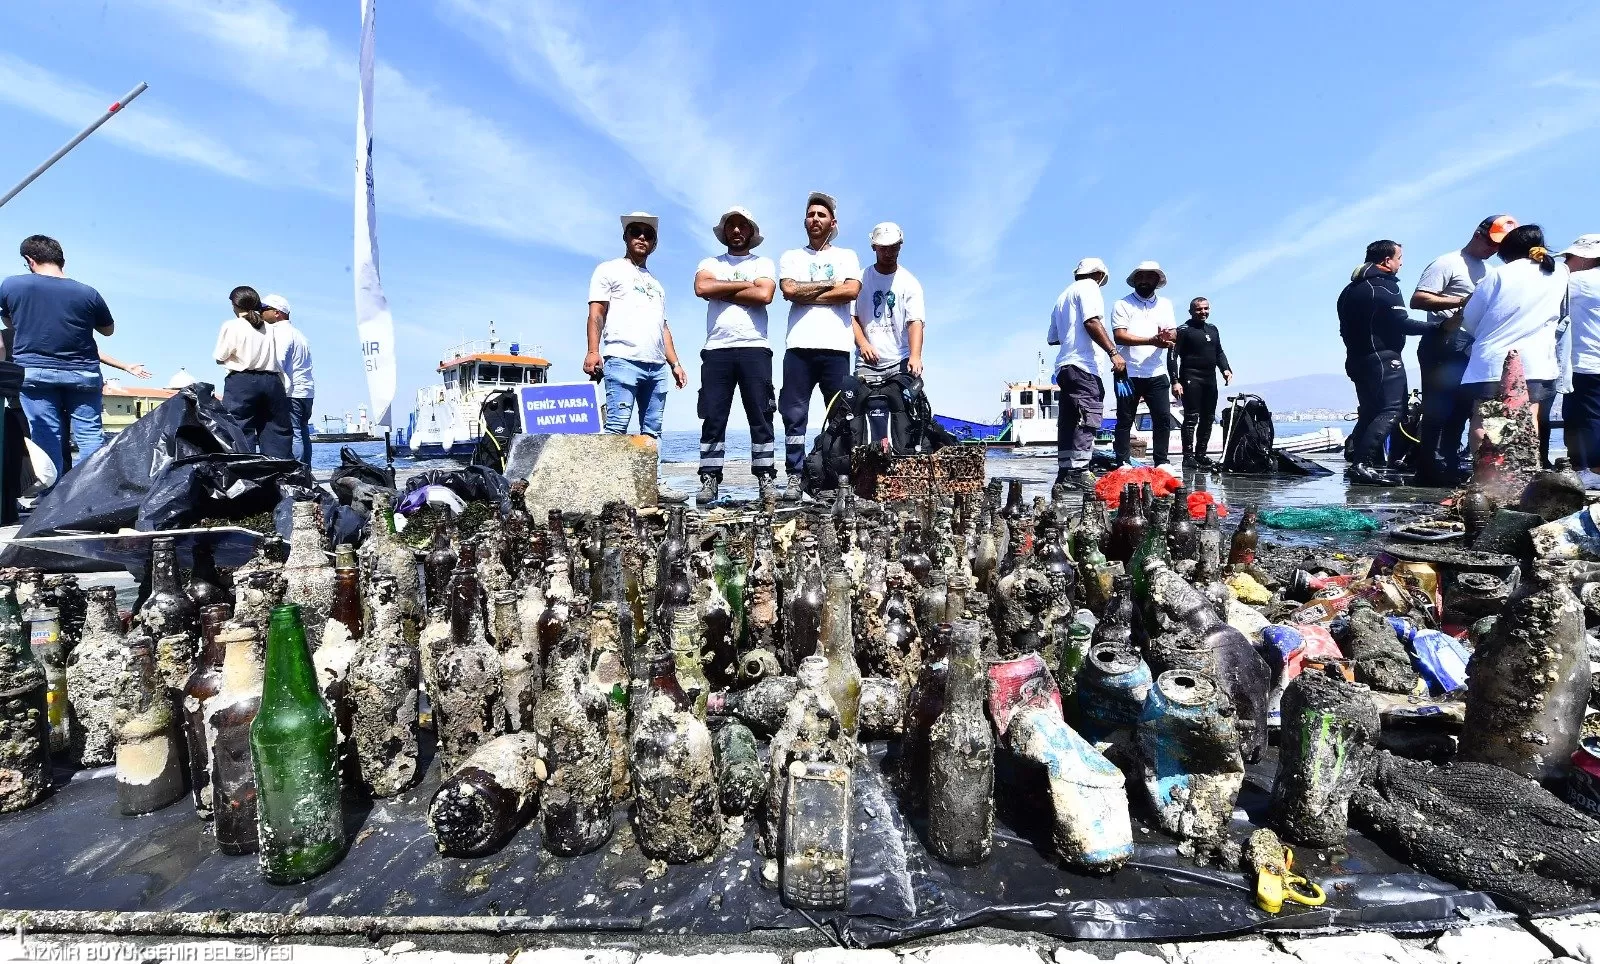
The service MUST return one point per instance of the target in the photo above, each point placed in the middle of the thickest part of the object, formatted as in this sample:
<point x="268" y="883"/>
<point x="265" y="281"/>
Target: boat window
<point x="449" y="376"/>
<point x="1026" y="398"/>
<point x="1045" y="397"/>
<point x="466" y="376"/>
<point x="538" y="376"/>
<point x="488" y="374"/>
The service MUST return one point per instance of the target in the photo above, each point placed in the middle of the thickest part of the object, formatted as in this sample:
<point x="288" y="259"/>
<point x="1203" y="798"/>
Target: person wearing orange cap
<point x="1446" y="284"/>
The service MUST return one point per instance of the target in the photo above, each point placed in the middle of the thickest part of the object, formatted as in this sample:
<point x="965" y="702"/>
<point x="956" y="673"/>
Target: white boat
<point x="445" y="423"/>
<point x="1028" y="419"/>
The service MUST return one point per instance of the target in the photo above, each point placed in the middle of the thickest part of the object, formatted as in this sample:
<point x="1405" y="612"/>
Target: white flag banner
<point x="373" y="322"/>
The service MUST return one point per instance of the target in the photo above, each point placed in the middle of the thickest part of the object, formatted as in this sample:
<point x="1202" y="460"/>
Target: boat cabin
<point x="487" y="370"/>
<point x="1025" y="400"/>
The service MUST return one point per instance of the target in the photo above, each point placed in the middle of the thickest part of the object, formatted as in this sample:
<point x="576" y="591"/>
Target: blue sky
<point x="1252" y="150"/>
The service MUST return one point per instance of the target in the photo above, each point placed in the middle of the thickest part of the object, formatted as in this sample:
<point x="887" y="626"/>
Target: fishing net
<point x="1110" y="486"/>
<point x="1325" y="519"/>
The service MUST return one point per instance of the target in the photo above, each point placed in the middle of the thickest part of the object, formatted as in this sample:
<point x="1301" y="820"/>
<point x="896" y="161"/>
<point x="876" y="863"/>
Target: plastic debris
<point x="1323" y="519"/>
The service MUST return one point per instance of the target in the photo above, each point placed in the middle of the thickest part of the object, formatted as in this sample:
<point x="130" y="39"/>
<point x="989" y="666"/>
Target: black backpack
<point x="889" y="412"/>
<point x="500" y="418"/>
<point x="1248" y="436"/>
<point x="830" y="453"/>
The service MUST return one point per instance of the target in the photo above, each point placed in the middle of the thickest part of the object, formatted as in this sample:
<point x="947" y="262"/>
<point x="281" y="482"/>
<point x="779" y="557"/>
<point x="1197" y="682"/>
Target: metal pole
<point x="58" y="155"/>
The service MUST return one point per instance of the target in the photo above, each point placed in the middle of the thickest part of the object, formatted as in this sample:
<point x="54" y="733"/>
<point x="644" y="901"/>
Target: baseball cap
<point x="1089" y="266"/>
<point x="826" y="200"/>
<point x="276" y="301"/>
<point x="885" y="234"/>
<point x="1587" y="246"/>
<point x="1496" y="227"/>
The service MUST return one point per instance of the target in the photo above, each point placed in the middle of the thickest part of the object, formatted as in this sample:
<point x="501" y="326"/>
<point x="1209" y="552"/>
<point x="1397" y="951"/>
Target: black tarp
<point x="184" y="462"/>
<point x="76" y="852"/>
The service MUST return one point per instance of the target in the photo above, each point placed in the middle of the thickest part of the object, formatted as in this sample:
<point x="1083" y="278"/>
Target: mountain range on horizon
<point x="1327" y="390"/>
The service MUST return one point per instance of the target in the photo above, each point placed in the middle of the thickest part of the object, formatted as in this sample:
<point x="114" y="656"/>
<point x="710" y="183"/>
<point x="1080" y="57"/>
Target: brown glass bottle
<point x="204" y="683"/>
<point x="923" y="705"/>
<point x="437" y="567"/>
<point x="149" y="760"/>
<point x="1242" y="550"/>
<point x="347" y="607"/>
<point x="468" y="708"/>
<point x="1127" y="532"/>
<point x="1183" y="536"/>
<point x="228" y="718"/>
<point x="477" y="808"/>
<point x="205" y="584"/>
<point x="24" y="715"/>
<point x="576" y="810"/>
<point x="1208" y="554"/>
<point x="168" y="610"/>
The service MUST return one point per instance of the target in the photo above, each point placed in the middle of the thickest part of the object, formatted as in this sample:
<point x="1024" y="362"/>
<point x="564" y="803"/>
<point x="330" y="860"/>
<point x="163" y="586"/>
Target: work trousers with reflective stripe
<point x="750" y="369"/>
<point x="803" y="370"/>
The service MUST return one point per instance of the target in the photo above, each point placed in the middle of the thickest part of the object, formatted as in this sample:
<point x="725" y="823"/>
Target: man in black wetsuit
<point x="1373" y="322"/>
<point x="1192" y="365"/>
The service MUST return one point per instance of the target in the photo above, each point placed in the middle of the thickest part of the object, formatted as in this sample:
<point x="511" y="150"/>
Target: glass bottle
<point x="1051" y="553"/>
<point x="24" y="714"/>
<point x="205" y="584"/>
<point x="914" y="554"/>
<point x="149" y="761"/>
<point x="1208" y="554"/>
<point x="203" y="684"/>
<point x="308" y="572"/>
<point x="802" y="630"/>
<point x="168" y="610"/>
<point x="480" y="806"/>
<point x="961" y="760"/>
<point x="438" y="566"/>
<point x="986" y="553"/>
<point x="676" y="812"/>
<point x="346" y="608"/>
<point x="96" y="678"/>
<point x="383" y="695"/>
<point x="1183" y="537"/>
<point x="923" y="705"/>
<point x="576" y="804"/>
<point x="341" y="643"/>
<point x="519" y="661"/>
<point x="467" y="700"/>
<point x="1128" y="531"/>
<point x="1242" y="550"/>
<point x="731" y="579"/>
<point x="686" y="656"/>
<point x="762" y="594"/>
<point x="294" y="744"/>
<point x="839" y="647"/>
<point x="1116" y="623"/>
<point x="228" y="717"/>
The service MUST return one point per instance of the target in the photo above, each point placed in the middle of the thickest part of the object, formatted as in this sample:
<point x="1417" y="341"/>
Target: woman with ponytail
<point x="1516" y="307"/>
<point x="254" y="393"/>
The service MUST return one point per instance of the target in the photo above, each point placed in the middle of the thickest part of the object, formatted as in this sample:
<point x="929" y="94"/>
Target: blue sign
<point x="565" y="408"/>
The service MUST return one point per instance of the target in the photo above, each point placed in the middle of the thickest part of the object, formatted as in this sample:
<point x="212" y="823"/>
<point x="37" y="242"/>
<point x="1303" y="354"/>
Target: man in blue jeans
<point x="629" y="341"/>
<point x="54" y="320"/>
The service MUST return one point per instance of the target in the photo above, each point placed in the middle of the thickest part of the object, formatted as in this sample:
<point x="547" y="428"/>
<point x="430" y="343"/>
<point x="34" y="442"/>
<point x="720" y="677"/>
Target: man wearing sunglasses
<point x="630" y="344"/>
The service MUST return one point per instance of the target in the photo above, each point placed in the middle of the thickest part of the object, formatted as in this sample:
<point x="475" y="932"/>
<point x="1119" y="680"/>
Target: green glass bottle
<point x="294" y="742"/>
<point x="731" y="575"/>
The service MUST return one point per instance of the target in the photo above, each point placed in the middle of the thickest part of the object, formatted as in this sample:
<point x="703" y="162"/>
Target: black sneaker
<point x="793" y="490"/>
<point x="1190" y="462"/>
<point x="708" y="490"/>
<point x="1082" y="480"/>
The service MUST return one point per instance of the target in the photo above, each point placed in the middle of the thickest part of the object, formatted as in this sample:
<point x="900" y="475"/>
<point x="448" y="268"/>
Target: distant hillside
<point x="1331" y="391"/>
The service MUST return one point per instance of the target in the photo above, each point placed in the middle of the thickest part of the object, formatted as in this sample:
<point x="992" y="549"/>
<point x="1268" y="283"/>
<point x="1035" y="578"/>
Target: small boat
<point x="356" y="428"/>
<point x="446" y="422"/>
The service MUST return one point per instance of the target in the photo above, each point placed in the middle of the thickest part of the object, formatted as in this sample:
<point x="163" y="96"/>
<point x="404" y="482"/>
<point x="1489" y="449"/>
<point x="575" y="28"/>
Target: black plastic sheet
<point x="76" y="852"/>
<point x="475" y="483"/>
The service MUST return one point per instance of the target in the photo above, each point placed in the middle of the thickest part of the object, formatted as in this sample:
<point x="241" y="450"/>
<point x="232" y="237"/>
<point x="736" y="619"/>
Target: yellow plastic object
<point x="1276" y="884"/>
<point x="1248" y="590"/>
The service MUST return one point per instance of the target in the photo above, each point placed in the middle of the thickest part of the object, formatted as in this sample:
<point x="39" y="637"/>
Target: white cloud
<point x="145" y="127"/>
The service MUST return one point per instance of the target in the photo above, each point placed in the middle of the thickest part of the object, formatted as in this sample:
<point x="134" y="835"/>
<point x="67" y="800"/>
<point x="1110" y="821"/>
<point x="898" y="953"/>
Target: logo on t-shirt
<point x="878" y="300"/>
<point x="648" y="289"/>
<point x="824" y="269"/>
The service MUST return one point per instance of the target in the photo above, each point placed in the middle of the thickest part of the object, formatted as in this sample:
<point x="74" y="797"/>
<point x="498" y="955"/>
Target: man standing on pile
<point x="54" y="320"/>
<point x="629" y="341"/>
<point x="294" y="354"/>
<point x="820" y="282"/>
<point x="738" y="287"/>
<point x="1077" y="324"/>
<point x="888" y="318"/>
<point x="1192" y="364"/>
<point x="1443" y="289"/>
<point x="1581" y="408"/>
<point x="1373" y="323"/>
<point x="1143" y="321"/>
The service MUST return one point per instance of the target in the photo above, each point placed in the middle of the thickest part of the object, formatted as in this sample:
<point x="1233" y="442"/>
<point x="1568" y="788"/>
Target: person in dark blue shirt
<point x="53" y="321"/>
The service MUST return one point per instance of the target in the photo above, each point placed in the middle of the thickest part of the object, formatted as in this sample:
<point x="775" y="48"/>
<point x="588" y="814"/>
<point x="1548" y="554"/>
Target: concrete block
<point x="1490" y="944"/>
<point x="1251" y="950"/>
<point x="970" y="953"/>
<point x="573" y="955"/>
<point x="842" y="955"/>
<point x="581" y="473"/>
<point x="1369" y="948"/>
<point x="1577" y="936"/>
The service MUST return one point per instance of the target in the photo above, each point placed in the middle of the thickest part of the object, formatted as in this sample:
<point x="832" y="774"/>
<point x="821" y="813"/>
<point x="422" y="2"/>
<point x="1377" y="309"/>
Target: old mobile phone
<point x="815" y="872"/>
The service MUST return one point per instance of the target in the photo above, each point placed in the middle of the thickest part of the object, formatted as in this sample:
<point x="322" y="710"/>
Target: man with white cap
<point x="629" y="341"/>
<point x="738" y="287"/>
<point x="1077" y="324"/>
<point x="1581" y="408"/>
<point x="889" y="313"/>
<point x="1143" y="321"/>
<point x="294" y="356"/>
<point x="820" y="282"/>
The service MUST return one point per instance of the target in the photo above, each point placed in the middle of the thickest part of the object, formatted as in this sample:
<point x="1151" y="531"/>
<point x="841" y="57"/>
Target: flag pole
<point x="69" y="145"/>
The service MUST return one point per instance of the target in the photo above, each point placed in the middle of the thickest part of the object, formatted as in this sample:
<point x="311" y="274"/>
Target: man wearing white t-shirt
<point x="889" y="312"/>
<point x="629" y="341"/>
<point x="1143" y="322"/>
<point x="1581" y="408"/>
<point x="1077" y="324"/>
<point x="820" y="282"/>
<point x="738" y="287"/>
<point x="1443" y="289"/>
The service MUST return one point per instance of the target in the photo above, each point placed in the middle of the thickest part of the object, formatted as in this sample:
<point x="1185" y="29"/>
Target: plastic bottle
<point x="293" y="741"/>
<point x="1112" y="688"/>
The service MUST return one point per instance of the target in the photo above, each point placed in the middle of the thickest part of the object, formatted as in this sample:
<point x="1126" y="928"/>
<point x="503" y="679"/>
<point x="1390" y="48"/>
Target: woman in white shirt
<point x="253" y="392"/>
<point x="1514" y="308"/>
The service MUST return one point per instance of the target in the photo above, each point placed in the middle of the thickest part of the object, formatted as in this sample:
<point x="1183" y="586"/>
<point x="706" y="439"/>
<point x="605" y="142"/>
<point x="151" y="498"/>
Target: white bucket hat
<point x="1587" y="246"/>
<point x="276" y="302"/>
<point x="722" y="222"/>
<point x="1148" y="266"/>
<point x="885" y="234"/>
<point x="1089" y="266"/>
<point x="640" y="217"/>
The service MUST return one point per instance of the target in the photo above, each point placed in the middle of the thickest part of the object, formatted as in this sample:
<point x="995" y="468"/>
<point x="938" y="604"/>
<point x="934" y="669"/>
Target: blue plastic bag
<point x="1441" y="659"/>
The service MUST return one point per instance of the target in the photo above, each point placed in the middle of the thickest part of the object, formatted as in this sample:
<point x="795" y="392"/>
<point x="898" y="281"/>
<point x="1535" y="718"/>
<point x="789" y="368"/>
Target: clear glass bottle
<point x="149" y="759"/>
<point x="839" y="647"/>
